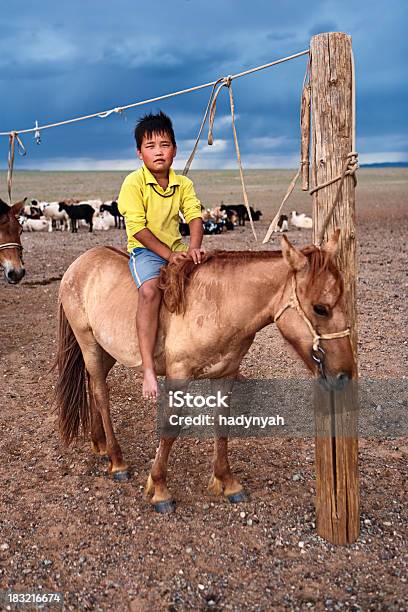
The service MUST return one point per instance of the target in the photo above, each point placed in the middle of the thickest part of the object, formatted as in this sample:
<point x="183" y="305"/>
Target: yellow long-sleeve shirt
<point x="144" y="204"/>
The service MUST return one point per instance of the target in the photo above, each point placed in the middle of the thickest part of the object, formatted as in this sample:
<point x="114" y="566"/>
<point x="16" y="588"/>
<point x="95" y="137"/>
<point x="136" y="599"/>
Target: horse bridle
<point x="317" y="351"/>
<point x="11" y="245"/>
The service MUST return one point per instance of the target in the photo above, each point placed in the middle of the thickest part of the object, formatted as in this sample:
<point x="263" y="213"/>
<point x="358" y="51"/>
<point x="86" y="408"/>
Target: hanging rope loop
<point x="37" y="134"/>
<point x="224" y="82"/>
<point x="13" y="137"/>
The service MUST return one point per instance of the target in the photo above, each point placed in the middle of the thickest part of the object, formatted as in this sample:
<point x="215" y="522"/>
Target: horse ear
<point x="332" y="245"/>
<point x="17" y="207"/>
<point x="294" y="258"/>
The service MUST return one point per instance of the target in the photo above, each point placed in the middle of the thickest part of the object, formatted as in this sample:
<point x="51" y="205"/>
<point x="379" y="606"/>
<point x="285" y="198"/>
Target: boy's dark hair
<point x="153" y="124"/>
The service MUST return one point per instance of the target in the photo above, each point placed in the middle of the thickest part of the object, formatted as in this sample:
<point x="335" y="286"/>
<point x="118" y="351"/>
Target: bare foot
<point x="150" y="389"/>
<point x="240" y="376"/>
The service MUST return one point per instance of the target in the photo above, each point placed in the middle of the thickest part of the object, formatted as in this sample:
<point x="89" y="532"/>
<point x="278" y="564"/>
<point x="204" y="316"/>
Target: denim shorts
<point x="144" y="265"/>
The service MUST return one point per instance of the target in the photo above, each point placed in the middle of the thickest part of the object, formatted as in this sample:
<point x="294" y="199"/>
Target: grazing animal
<point x="33" y="211"/>
<point x="70" y="201"/>
<point x="102" y="222"/>
<point x="112" y="208"/>
<point x="255" y="214"/>
<point x="96" y="204"/>
<point x="10" y="243"/>
<point x="283" y="223"/>
<point x="76" y="212"/>
<point x="33" y="225"/>
<point x="208" y="322"/>
<point x="239" y="210"/>
<point x="53" y="214"/>
<point x="184" y="229"/>
<point x="301" y="221"/>
<point x="218" y="215"/>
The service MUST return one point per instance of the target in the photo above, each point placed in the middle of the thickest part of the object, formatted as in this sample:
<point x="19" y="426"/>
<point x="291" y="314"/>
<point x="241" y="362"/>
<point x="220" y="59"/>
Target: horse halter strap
<point x="294" y="303"/>
<point x="10" y="245"/>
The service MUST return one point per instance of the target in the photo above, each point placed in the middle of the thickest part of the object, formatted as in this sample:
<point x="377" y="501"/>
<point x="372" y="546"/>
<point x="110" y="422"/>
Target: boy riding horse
<point x="150" y="200"/>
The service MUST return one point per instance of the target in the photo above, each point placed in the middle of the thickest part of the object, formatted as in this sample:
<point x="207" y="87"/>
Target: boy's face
<point x="157" y="152"/>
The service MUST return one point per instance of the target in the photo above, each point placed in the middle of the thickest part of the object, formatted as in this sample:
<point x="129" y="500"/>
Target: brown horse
<point x="10" y="243"/>
<point x="208" y="321"/>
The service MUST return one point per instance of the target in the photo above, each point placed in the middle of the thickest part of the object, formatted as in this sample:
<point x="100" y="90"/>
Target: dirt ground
<point x="66" y="526"/>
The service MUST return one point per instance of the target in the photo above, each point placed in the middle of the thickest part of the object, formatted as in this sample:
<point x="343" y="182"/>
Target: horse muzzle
<point x="334" y="383"/>
<point x="14" y="275"/>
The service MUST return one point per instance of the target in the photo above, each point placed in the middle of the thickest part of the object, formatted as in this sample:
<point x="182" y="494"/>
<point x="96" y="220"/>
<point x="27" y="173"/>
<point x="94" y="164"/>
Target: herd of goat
<point x="71" y="213"/>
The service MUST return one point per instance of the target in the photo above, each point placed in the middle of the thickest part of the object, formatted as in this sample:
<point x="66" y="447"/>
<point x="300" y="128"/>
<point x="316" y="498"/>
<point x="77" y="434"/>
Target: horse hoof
<point x="236" y="498"/>
<point x="165" y="507"/>
<point x="121" y="476"/>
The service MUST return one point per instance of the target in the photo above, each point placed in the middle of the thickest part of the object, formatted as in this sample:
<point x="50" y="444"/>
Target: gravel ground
<point x="66" y="526"/>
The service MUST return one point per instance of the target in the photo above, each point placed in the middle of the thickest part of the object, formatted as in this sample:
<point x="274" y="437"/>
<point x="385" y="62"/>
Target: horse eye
<point x="321" y="310"/>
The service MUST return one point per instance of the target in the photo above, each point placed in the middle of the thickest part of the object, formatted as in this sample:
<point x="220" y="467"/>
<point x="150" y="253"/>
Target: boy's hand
<point x="176" y="256"/>
<point x="196" y="254"/>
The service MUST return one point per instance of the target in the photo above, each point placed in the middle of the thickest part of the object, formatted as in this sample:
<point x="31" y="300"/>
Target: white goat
<point x="102" y="222"/>
<point x="301" y="221"/>
<point x="33" y="225"/>
<point x="52" y="213"/>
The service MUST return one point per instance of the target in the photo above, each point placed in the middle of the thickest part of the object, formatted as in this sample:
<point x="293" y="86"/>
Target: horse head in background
<point x="10" y="243"/>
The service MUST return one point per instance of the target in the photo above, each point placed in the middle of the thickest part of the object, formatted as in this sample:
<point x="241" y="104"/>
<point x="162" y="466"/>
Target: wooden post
<point x="305" y="136"/>
<point x="337" y="487"/>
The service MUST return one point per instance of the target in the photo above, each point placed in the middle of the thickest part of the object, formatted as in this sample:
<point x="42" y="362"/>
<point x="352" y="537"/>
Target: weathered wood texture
<point x="337" y="487"/>
<point x="305" y="136"/>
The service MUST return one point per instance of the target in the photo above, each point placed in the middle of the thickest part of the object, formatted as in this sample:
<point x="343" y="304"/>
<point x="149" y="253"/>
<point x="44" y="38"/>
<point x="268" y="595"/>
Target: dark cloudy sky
<point x="64" y="59"/>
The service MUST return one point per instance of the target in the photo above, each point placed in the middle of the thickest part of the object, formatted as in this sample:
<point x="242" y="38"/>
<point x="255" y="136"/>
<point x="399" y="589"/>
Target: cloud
<point x="63" y="60"/>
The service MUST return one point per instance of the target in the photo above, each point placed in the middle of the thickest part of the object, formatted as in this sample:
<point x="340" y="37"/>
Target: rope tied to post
<point x="349" y="169"/>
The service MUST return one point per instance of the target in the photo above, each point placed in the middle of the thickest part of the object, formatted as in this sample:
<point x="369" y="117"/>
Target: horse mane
<point x="4" y="208"/>
<point x="176" y="277"/>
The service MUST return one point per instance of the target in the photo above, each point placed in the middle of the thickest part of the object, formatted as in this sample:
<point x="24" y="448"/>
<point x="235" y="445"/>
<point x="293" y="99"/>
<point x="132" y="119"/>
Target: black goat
<point x="114" y="211"/>
<point x="255" y="214"/>
<point x="184" y="229"/>
<point x="241" y="211"/>
<point x="76" y="212"/>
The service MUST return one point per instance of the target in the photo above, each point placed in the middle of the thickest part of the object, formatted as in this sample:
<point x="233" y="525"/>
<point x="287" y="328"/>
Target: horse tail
<point x="70" y="391"/>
